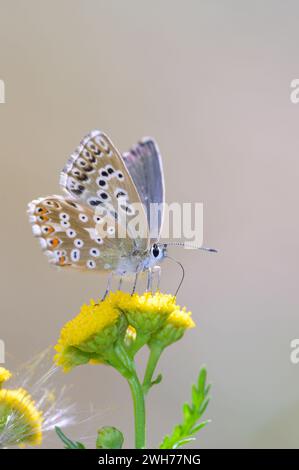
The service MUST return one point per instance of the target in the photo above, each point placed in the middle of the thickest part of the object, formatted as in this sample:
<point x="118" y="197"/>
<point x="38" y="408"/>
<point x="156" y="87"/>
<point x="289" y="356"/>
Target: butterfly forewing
<point x="145" y="166"/>
<point x="97" y="176"/>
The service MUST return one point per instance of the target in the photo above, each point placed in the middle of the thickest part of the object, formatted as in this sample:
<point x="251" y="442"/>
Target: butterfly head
<point x="157" y="252"/>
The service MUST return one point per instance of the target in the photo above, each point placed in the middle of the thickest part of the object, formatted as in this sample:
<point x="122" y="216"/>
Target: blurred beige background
<point x="210" y="80"/>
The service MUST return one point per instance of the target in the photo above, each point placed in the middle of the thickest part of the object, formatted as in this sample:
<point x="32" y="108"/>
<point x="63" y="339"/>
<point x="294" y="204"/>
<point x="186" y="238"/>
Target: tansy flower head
<point x="30" y="406"/>
<point x="90" y="335"/>
<point x="147" y="312"/>
<point x="19" y="414"/>
<point x="155" y="317"/>
<point x="99" y="330"/>
<point x="174" y="328"/>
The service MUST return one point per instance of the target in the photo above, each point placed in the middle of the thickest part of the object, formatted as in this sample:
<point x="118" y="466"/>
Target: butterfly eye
<point x="155" y="251"/>
<point x="120" y="176"/>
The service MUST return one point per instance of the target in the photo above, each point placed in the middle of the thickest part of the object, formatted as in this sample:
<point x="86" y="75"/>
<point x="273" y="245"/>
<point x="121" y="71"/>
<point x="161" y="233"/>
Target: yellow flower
<point x="181" y="319"/>
<point x="173" y="329"/>
<point x="147" y="312"/>
<point x="4" y="375"/>
<point x="19" y="413"/>
<point x="20" y="420"/>
<point x="89" y="336"/>
<point x="32" y="406"/>
<point x="95" y="335"/>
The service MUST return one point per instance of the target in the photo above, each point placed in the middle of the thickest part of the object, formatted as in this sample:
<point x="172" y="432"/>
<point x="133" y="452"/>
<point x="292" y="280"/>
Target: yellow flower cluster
<point x="90" y="336"/>
<point x="91" y="319"/>
<point x="145" y="312"/>
<point x="19" y="417"/>
<point x="86" y="337"/>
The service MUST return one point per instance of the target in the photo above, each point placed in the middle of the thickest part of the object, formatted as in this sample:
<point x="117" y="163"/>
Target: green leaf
<point x="183" y="442"/>
<point x="68" y="443"/>
<point x="199" y="426"/>
<point x="183" y="433"/>
<point x="157" y="380"/>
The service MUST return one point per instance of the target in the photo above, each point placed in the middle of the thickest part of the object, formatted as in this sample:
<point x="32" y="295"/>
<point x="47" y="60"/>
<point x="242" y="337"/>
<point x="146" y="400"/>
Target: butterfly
<point x="103" y="187"/>
<point x="98" y="180"/>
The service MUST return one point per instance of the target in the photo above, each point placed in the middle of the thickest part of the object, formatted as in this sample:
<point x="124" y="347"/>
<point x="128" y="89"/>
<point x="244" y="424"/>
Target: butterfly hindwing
<point x="70" y="234"/>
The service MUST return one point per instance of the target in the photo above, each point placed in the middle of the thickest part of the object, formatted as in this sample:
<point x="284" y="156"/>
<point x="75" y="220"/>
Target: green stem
<point x="126" y="366"/>
<point x="139" y="410"/>
<point x="139" y="342"/>
<point x="155" y="354"/>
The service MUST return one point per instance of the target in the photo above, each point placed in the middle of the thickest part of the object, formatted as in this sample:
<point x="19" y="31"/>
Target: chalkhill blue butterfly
<point x="105" y="193"/>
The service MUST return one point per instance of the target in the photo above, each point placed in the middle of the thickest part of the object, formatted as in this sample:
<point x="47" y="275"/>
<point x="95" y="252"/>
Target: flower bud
<point x="109" y="438"/>
<point x="173" y="329"/>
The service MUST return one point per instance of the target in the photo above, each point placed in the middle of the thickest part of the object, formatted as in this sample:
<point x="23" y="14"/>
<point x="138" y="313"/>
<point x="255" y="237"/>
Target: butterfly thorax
<point x="139" y="261"/>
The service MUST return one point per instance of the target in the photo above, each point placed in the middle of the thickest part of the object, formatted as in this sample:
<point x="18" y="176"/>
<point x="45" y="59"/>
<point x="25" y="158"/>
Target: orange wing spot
<point x="41" y="210"/>
<point x="43" y="218"/>
<point x="48" y="229"/>
<point x="61" y="260"/>
<point x="54" y="242"/>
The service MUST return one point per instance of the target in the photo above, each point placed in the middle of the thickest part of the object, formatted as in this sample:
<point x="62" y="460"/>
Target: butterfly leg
<point x="120" y="282"/>
<point x="157" y="273"/>
<point x="149" y="281"/>
<point x="135" y="283"/>
<point x="108" y="287"/>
